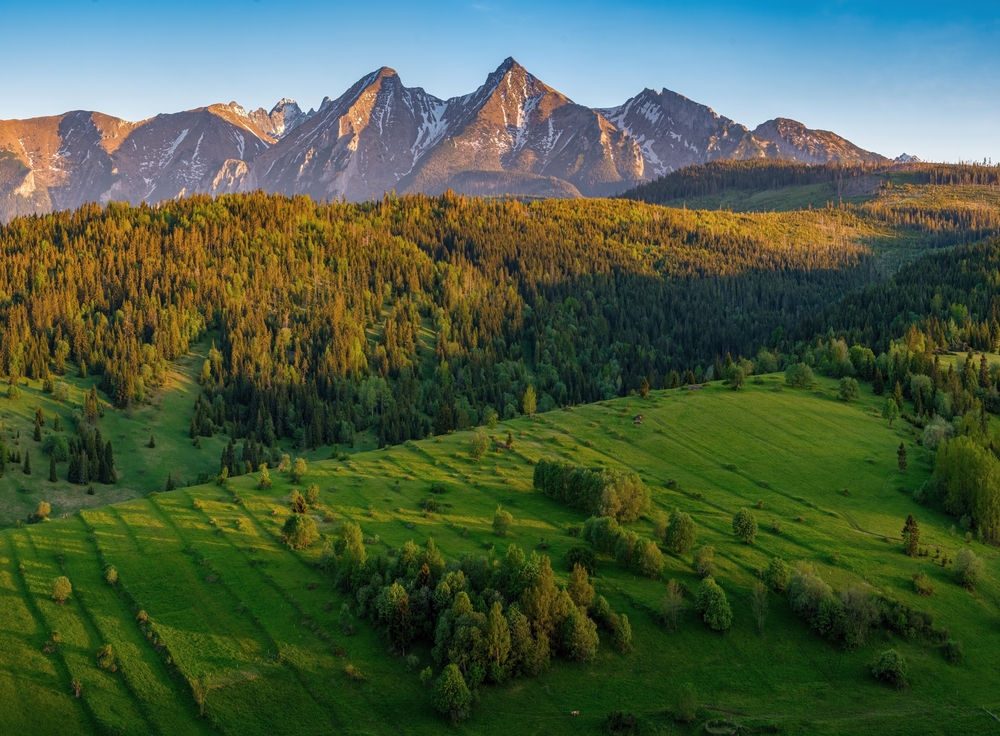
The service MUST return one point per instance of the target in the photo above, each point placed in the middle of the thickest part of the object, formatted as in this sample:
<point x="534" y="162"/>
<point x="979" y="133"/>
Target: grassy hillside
<point x="254" y="625"/>
<point x="141" y="469"/>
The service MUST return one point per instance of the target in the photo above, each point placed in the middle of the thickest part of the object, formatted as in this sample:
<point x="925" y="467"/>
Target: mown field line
<point x="254" y="619"/>
<point x="36" y="613"/>
<point x="88" y="617"/>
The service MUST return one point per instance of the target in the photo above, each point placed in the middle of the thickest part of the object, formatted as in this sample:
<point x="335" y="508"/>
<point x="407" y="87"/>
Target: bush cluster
<point x="605" y="492"/>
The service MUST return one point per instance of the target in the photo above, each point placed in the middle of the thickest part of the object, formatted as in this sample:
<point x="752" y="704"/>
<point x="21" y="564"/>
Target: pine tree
<point x="107" y="468"/>
<point x="911" y="536"/>
<point x="83" y="368"/>
<point x="52" y="468"/>
<point x="878" y="383"/>
<point x="57" y="424"/>
<point x="27" y="463"/>
<point x="91" y="406"/>
<point x="897" y="396"/>
<point x="170" y="482"/>
<point x="39" y="416"/>
<point x="152" y="442"/>
<point x="38" y="432"/>
<point x="984" y="373"/>
<point x="901" y="457"/>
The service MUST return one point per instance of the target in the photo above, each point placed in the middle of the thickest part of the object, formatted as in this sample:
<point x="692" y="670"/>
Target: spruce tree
<point x="27" y="463"/>
<point x="897" y="396"/>
<point x="170" y="482"/>
<point x="39" y="416"/>
<point x="901" y="457"/>
<point x="38" y="432"/>
<point x="152" y="442"/>
<point x="52" y="468"/>
<point x="878" y="383"/>
<point x="911" y="536"/>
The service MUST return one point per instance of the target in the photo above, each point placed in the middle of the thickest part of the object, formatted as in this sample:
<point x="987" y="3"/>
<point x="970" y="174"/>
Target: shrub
<point x="799" y="375"/>
<point x="759" y="604"/>
<point x="502" y="521"/>
<point x="264" y="482"/>
<point x="451" y="695"/>
<point x="56" y="446"/>
<point x="584" y="557"/>
<point x="777" y="575"/>
<point x="478" y="445"/>
<point x="312" y="494"/>
<point x="890" y="667"/>
<point x="621" y="638"/>
<point x="111" y="576"/>
<point x="922" y="584"/>
<point x="745" y="525"/>
<point x="62" y="589"/>
<point x="297" y="502"/>
<point x="687" y="703"/>
<point x="673" y="604"/>
<point x="299" y="531"/>
<point x="714" y="606"/>
<point x="680" y="536"/>
<point x="426" y="676"/>
<point x="649" y="559"/>
<point x="41" y="513"/>
<point x="579" y="588"/>
<point x="703" y="561"/>
<point x="952" y="651"/>
<point x="969" y="569"/>
<point x="848" y="390"/>
<point x="299" y="469"/>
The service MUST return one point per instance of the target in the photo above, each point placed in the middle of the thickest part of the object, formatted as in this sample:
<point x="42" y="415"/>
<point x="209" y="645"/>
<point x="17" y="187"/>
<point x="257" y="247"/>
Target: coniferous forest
<point x="786" y="411"/>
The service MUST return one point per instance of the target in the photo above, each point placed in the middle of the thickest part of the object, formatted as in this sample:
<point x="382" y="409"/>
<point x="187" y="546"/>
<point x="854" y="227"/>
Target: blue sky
<point x="919" y="77"/>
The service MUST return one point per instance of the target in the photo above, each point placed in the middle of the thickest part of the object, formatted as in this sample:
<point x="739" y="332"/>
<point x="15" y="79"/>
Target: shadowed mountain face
<point x="514" y="135"/>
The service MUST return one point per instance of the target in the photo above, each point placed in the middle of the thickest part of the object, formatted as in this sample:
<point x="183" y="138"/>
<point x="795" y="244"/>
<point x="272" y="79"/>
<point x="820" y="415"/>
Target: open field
<point x="256" y="625"/>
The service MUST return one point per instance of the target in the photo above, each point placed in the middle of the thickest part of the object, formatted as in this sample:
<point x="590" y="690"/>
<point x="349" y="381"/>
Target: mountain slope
<point x="515" y="135"/>
<point x="515" y="122"/>
<point x="795" y="141"/>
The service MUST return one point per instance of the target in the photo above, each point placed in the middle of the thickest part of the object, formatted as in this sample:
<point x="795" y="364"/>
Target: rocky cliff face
<point x="514" y="135"/>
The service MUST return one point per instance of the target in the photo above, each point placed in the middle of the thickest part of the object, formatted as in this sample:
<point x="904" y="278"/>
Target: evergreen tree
<point x="152" y="442"/>
<point x="27" y="463"/>
<point x="452" y="697"/>
<point x="878" y="383"/>
<point x="901" y="457"/>
<point x="107" y="466"/>
<point x="39" y="417"/>
<point x="38" y="432"/>
<point x="644" y="388"/>
<point x="170" y="482"/>
<point x="897" y="396"/>
<point x="52" y="468"/>
<point x="984" y="373"/>
<point x="911" y="536"/>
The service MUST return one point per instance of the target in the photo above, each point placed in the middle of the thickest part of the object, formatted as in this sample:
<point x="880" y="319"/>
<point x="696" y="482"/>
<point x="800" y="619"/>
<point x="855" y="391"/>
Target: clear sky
<point x="920" y="77"/>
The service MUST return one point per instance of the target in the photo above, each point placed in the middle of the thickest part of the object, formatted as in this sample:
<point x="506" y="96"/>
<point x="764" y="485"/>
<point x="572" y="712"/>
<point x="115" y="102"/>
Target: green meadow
<point x="216" y="627"/>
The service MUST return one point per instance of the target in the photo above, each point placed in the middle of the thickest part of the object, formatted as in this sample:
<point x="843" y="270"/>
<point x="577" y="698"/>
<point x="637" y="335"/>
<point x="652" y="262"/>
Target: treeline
<point x="950" y="299"/>
<point x="487" y="619"/>
<point x="407" y="314"/>
<point x="958" y="174"/>
<point x="719" y="176"/>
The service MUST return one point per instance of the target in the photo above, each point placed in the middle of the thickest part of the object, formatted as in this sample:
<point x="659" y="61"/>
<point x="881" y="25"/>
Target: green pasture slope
<point x="254" y="626"/>
<point x="141" y="469"/>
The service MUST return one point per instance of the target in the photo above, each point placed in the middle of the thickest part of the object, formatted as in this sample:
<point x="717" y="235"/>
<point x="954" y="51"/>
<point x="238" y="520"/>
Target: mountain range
<point x="514" y="135"/>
